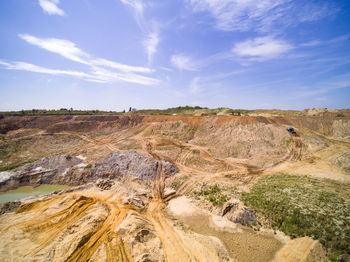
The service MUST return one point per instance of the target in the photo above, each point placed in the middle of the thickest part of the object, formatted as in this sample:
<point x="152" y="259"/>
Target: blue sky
<point x="113" y="54"/>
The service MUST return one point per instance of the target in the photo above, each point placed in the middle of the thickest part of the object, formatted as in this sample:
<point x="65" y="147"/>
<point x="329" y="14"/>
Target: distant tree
<point x="130" y="109"/>
<point x="123" y="111"/>
<point x="71" y="109"/>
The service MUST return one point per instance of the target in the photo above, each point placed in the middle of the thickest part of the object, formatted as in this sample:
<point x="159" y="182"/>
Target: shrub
<point x="215" y="194"/>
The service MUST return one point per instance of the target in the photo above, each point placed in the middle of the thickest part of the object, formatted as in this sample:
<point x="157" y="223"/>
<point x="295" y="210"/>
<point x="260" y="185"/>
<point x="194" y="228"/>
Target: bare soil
<point x="93" y="223"/>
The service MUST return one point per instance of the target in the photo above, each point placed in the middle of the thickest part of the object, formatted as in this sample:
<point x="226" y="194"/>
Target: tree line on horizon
<point x="169" y="111"/>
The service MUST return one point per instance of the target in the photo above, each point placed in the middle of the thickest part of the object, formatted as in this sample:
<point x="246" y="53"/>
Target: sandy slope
<point x="131" y="222"/>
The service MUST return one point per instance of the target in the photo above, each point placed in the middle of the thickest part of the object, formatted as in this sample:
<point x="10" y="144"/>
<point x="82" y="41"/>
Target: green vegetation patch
<point x="170" y="111"/>
<point x="177" y="183"/>
<point x="196" y="161"/>
<point x="88" y="166"/>
<point x="215" y="194"/>
<point x="137" y="131"/>
<point x="303" y="206"/>
<point x="347" y="169"/>
<point x="7" y="168"/>
<point x="189" y="110"/>
<point x="93" y="136"/>
<point x="7" y="149"/>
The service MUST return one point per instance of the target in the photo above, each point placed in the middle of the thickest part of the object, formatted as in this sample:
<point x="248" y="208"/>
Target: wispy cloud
<point x="62" y="47"/>
<point x="121" y="67"/>
<point x="136" y="5"/>
<point x="99" y="75"/>
<point x="324" y="87"/>
<point x="336" y="40"/>
<point x="312" y="43"/>
<point x="101" y="70"/>
<point x="150" y="29"/>
<point x="106" y="76"/>
<point x="69" y="50"/>
<point x="38" y="69"/>
<point x="262" y="48"/>
<point x="183" y="62"/>
<point x="150" y="44"/>
<point x="244" y="15"/>
<point x="50" y="7"/>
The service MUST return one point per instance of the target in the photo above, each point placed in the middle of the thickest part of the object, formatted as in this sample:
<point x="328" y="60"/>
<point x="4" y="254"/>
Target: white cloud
<point x="183" y="62"/>
<point x="150" y="30"/>
<point x="194" y="86"/>
<point x="99" y="75"/>
<point x="50" y="7"/>
<point x="135" y="4"/>
<point x="312" y="43"/>
<point x="337" y="40"/>
<point x="138" y="9"/>
<point x="69" y="50"/>
<point x="324" y="87"/>
<point x="261" y="15"/>
<point x="62" y="47"/>
<point x="166" y="69"/>
<point x="262" y="48"/>
<point x="121" y="67"/>
<point x="150" y="44"/>
<point x="98" y="71"/>
<point x="104" y="75"/>
<point x="38" y="69"/>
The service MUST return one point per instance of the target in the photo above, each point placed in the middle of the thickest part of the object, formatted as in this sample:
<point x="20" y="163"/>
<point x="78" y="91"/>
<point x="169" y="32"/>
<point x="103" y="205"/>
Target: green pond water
<point x="27" y="191"/>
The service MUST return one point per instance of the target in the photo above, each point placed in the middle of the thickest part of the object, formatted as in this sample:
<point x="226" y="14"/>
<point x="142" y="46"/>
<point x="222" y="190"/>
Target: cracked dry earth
<point x="121" y="206"/>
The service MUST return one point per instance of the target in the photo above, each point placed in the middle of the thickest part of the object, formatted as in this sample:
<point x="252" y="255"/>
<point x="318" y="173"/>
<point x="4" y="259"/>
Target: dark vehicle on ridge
<point x="291" y="130"/>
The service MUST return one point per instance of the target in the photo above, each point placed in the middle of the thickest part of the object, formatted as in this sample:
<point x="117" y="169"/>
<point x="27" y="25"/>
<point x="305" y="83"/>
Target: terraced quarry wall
<point x="129" y="168"/>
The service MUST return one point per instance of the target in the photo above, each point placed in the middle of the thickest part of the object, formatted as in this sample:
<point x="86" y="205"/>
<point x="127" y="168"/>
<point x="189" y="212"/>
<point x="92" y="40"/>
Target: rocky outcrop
<point x="125" y="163"/>
<point x="104" y="184"/>
<point x="46" y="170"/>
<point x="246" y="217"/>
<point x="131" y="164"/>
<point x="69" y="170"/>
<point x="169" y="169"/>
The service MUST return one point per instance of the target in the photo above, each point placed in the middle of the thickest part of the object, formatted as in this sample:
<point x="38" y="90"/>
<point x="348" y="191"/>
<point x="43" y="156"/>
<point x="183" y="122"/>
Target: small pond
<point x="26" y="191"/>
